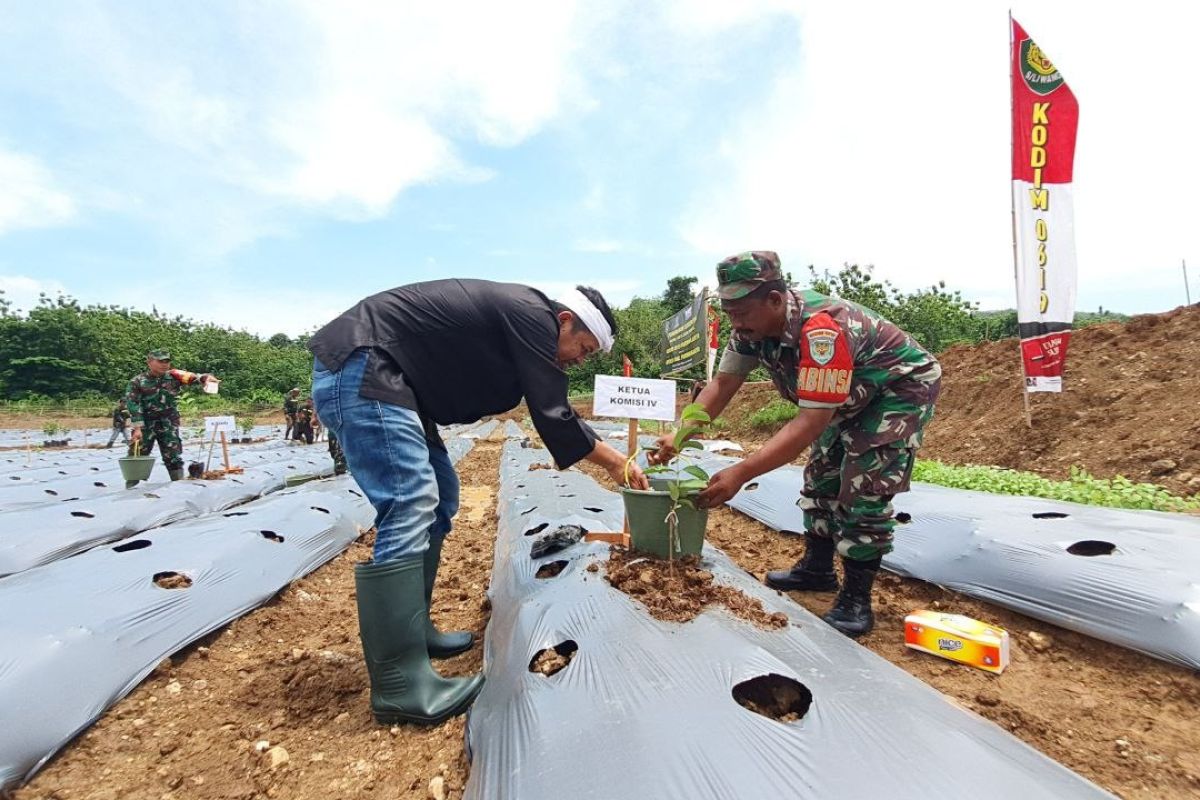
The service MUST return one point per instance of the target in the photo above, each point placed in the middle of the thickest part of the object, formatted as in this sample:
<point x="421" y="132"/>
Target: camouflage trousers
<point x="291" y="424"/>
<point x="335" y="452"/>
<point x="850" y="481"/>
<point x="166" y="433"/>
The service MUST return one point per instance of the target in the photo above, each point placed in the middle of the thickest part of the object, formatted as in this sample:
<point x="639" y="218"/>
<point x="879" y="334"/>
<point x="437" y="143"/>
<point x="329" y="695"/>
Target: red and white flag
<point x="1044" y="118"/>
<point x="626" y="366"/>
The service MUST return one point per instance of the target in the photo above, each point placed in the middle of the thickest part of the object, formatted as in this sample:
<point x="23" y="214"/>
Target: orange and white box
<point x="958" y="638"/>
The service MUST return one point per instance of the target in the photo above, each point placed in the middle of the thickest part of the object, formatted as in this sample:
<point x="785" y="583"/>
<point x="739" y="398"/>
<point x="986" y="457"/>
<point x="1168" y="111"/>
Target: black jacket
<point x="459" y="350"/>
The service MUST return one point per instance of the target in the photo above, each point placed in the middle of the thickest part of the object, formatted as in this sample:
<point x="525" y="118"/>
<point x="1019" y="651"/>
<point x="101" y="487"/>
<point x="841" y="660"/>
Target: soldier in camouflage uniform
<point x="291" y="404"/>
<point x="150" y="400"/>
<point x="865" y="390"/>
<point x="120" y="420"/>
<point x="302" y="430"/>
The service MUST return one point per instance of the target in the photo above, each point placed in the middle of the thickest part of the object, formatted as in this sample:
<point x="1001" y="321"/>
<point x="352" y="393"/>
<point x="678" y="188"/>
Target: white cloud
<point x="888" y="143"/>
<point x="23" y="291"/>
<point x="30" y="197"/>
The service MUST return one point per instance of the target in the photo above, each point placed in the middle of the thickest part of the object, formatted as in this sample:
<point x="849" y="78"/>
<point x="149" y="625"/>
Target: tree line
<point x="60" y="349"/>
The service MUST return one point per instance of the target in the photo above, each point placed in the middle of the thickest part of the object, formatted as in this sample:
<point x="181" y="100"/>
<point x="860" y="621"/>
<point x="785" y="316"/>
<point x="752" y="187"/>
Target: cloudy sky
<point x="264" y="165"/>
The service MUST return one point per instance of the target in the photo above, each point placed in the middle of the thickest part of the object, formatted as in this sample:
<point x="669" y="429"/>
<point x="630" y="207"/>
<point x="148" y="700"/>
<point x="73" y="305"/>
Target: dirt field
<point x="291" y="674"/>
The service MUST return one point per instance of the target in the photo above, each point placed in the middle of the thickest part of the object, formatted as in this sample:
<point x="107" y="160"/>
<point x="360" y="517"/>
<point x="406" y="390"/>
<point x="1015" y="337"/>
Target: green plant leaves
<point x="695" y="412"/>
<point x="1081" y="487"/>
<point x="697" y="472"/>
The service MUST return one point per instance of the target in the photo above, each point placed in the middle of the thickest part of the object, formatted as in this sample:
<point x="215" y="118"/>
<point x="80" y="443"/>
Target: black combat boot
<point x="392" y="619"/>
<point x="851" y="613"/>
<point x="812" y="573"/>
<point x="175" y="474"/>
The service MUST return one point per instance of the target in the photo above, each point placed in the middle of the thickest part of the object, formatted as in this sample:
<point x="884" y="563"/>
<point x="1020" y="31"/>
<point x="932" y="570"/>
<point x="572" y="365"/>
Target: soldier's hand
<point x="721" y="488"/>
<point x="664" y="450"/>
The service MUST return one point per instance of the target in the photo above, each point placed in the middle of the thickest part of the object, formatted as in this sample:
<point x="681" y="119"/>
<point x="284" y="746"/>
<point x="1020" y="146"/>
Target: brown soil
<point x="1130" y="406"/>
<point x="553" y="659"/>
<point x="679" y="590"/>
<point x="289" y="675"/>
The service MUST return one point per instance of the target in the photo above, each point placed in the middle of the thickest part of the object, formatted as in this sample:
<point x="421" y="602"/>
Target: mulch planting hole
<point x="1050" y="515"/>
<point x="172" y="580"/>
<point x="1092" y="547"/>
<point x="272" y="535"/>
<point x="136" y="544"/>
<point x="551" y="569"/>
<point x="536" y="529"/>
<point x="553" y="660"/>
<point x="774" y="697"/>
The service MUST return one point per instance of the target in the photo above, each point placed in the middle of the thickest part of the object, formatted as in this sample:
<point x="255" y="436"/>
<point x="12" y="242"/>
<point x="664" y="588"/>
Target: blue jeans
<point x="412" y="487"/>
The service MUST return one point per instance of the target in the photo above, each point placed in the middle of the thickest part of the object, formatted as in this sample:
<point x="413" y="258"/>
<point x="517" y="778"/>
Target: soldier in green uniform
<point x="120" y="420"/>
<point x="151" y="399"/>
<point x="302" y="429"/>
<point x="865" y="391"/>
<point x="291" y="404"/>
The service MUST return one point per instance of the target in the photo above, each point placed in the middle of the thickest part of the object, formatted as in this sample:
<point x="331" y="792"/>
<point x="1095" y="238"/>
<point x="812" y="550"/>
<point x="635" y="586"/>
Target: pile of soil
<point x="679" y="590"/>
<point x="1129" y="408"/>
<point x="276" y="705"/>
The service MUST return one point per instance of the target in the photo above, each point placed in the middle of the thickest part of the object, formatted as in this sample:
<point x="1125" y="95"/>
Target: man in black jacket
<point x="386" y="373"/>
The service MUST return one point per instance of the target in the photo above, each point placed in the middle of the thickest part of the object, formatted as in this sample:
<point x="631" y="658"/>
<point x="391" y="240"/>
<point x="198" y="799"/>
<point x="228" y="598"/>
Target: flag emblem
<point x="821" y="344"/>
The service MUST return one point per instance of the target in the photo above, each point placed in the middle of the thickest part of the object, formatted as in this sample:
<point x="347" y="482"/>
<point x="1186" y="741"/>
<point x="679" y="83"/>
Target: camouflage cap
<point x="161" y="354"/>
<point x="739" y="275"/>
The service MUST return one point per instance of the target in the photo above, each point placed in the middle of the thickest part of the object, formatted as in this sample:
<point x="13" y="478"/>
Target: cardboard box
<point x="958" y="638"/>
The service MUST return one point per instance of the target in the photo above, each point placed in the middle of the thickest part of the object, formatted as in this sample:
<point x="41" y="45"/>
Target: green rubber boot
<point x="392" y="617"/>
<point x="441" y="645"/>
<point x="175" y="474"/>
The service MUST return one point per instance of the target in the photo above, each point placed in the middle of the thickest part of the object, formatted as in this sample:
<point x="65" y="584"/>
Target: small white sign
<point x="214" y="425"/>
<point x="636" y="398"/>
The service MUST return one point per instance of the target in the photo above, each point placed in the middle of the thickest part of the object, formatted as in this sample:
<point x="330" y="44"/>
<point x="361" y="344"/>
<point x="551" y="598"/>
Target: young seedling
<point x="685" y="479"/>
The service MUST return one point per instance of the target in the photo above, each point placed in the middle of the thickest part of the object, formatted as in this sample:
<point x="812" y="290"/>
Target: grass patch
<point x="773" y="413"/>
<point x="1081" y="487"/>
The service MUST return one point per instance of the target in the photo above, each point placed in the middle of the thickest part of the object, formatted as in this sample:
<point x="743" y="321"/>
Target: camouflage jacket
<point x="837" y="354"/>
<point x="151" y="398"/>
<point x="119" y="417"/>
<point x="290" y="406"/>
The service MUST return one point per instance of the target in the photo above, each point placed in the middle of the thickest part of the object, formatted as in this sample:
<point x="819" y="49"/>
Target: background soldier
<point x="120" y="417"/>
<point x="302" y="430"/>
<point x="291" y="404"/>
<point x="151" y="400"/>
<point x="865" y="390"/>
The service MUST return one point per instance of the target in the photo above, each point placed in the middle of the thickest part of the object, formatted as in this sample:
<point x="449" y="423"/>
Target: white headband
<point x="589" y="315"/>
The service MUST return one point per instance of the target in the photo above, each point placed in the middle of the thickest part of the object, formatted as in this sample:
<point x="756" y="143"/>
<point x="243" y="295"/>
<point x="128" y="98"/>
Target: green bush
<point x="1081" y="487"/>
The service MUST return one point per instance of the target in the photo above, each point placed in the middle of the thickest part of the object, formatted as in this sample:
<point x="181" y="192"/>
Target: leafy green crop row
<point x="1081" y="487"/>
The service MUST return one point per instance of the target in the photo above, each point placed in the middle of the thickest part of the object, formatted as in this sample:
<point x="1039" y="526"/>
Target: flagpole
<point x="1187" y="291"/>
<point x="1012" y="149"/>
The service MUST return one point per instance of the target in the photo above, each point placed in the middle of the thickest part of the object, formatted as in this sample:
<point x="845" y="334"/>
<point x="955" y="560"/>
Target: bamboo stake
<point x="225" y="450"/>
<point x="630" y="451"/>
